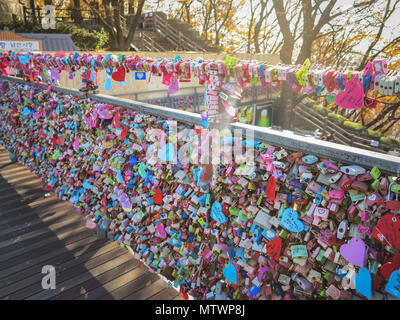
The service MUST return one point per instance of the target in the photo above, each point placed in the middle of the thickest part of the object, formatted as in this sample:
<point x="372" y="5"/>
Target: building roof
<point x="11" y="36"/>
<point x="52" y="41"/>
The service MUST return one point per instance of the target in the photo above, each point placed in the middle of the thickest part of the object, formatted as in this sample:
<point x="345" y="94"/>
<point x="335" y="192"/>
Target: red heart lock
<point x="388" y="268"/>
<point x="116" y="121"/>
<point x="157" y="197"/>
<point x="330" y="81"/>
<point x="124" y="133"/>
<point x="271" y="188"/>
<point x="387" y="231"/>
<point x="274" y="247"/>
<point x="119" y="74"/>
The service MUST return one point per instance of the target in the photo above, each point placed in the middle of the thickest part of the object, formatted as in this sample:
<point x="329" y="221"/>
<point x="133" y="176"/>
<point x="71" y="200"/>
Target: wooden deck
<point x="36" y="230"/>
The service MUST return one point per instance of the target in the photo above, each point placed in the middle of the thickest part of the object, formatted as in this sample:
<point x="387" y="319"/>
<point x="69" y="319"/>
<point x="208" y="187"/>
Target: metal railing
<point x="312" y="118"/>
<point x="287" y="139"/>
<point x="174" y="36"/>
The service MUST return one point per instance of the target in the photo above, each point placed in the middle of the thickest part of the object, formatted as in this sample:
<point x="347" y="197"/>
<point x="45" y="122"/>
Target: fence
<point x="183" y="223"/>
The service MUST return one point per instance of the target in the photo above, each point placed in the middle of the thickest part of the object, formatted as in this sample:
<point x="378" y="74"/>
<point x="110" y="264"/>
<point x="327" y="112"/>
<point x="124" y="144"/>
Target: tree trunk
<point x="305" y="51"/>
<point x="76" y="12"/>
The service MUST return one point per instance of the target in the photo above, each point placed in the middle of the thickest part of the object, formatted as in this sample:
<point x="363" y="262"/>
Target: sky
<point x="391" y="31"/>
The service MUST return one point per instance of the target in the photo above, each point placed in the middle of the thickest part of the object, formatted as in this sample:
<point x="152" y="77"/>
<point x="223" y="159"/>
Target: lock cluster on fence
<point x="287" y="225"/>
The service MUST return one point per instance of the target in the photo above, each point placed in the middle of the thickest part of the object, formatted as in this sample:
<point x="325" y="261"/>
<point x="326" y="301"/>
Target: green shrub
<point x="353" y="125"/>
<point x="84" y="39"/>
<point x="320" y="109"/>
<point x="373" y="133"/>
<point x="385" y="140"/>
<point x="336" y="117"/>
<point x="89" y="40"/>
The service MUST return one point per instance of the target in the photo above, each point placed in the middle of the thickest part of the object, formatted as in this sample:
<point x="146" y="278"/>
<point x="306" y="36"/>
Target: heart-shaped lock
<point x="352" y="97"/>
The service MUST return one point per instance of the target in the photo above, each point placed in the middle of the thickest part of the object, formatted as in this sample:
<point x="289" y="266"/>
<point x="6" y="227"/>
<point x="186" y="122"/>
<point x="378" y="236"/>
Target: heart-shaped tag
<point x="274" y="248"/>
<point x="90" y="224"/>
<point x="124" y="133"/>
<point x="290" y="221"/>
<point x="353" y="95"/>
<point x="354" y="252"/>
<point x="119" y="74"/>
<point x="23" y="59"/>
<point x="393" y="285"/>
<point x="363" y="282"/>
<point x="167" y="153"/>
<point x="216" y="213"/>
<point x="387" y="231"/>
<point x="231" y="272"/>
<point x="388" y="268"/>
<point x="173" y="86"/>
<point x="157" y="197"/>
<point x="160" y="231"/>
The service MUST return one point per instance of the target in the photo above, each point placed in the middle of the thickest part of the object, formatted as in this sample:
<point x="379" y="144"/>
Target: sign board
<point x="14" y="45"/>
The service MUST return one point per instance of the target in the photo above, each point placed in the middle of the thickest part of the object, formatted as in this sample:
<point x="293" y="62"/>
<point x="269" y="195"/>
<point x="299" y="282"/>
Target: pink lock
<point x="265" y="157"/>
<point x="352" y="210"/>
<point x="336" y="194"/>
<point x="330" y="166"/>
<point x="364" y="216"/>
<point x="270" y="167"/>
<point x="360" y="186"/>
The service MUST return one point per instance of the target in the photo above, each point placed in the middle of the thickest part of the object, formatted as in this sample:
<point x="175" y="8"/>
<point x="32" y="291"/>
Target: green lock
<point x="234" y="211"/>
<point x="284" y="234"/>
<point x="375" y="185"/>
<point x="327" y="276"/>
<point x="320" y="257"/>
<point x="323" y="293"/>
<point x="395" y="188"/>
<point x="259" y="200"/>
<point x="242" y="217"/>
<point x="375" y="173"/>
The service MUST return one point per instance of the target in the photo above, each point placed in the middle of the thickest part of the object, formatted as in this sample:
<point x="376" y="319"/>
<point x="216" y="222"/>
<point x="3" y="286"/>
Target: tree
<point x="111" y="15"/>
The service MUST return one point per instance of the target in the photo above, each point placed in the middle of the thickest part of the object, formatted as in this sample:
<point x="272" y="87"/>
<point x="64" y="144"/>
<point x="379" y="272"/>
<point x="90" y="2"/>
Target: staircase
<point x="156" y="32"/>
<point x="307" y="118"/>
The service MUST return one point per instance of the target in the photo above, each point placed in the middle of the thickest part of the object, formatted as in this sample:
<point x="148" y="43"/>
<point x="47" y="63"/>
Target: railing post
<point x="24" y="10"/>
<point x="169" y="101"/>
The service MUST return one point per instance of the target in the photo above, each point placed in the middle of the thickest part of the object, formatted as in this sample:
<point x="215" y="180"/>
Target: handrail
<point x="287" y="139"/>
<point x="175" y="34"/>
<point x="314" y="116"/>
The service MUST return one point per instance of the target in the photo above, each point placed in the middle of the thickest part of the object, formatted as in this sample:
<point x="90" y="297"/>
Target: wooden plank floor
<point x="36" y="231"/>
